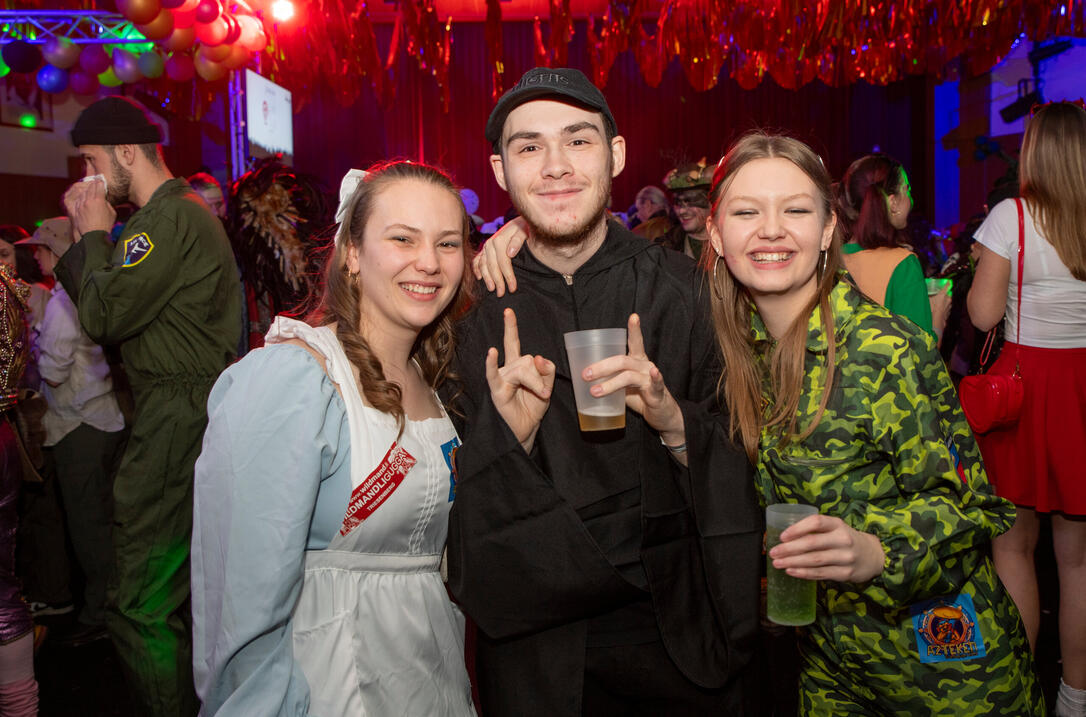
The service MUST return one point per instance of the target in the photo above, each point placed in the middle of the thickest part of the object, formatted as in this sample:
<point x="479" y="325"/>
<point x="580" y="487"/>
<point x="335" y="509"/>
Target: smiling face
<point x="770" y="226"/>
<point x="557" y="166"/>
<point x="410" y="262"/>
<point x="692" y="209"/>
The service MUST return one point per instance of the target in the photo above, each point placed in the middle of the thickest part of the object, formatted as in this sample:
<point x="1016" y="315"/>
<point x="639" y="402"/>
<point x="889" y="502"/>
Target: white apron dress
<point x="374" y="631"/>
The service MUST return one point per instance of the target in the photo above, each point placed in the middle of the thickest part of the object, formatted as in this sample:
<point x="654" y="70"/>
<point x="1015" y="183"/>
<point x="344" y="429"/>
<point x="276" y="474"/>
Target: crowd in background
<point x="77" y="414"/>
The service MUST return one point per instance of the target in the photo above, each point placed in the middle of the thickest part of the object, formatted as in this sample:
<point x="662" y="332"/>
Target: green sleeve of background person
<point x="118" y="301"/>
<point x="167" y="290"/>
<point x="907" y="293"/>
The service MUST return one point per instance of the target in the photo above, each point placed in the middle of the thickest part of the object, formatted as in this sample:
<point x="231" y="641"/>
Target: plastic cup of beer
<point x="583" y="349"/>
<point x="789" y="600"/>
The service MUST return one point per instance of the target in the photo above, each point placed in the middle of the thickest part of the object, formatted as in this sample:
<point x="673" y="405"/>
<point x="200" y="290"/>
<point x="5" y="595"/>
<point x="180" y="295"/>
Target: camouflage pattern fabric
<point x="935" y="633"/>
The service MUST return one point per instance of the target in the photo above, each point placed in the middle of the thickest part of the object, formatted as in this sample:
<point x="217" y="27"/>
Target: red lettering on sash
<point x="378" y="486"/>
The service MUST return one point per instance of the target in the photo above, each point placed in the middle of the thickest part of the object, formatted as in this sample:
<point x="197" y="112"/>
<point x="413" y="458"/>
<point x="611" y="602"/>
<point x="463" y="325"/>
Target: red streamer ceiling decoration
<point x="791" y="42"/>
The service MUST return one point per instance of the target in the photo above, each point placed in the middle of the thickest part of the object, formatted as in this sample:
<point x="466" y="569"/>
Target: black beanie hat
<point x="115" y="120"/>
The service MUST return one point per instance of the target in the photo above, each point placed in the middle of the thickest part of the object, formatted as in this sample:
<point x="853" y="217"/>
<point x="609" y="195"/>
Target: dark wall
<point x="660" y="124"/>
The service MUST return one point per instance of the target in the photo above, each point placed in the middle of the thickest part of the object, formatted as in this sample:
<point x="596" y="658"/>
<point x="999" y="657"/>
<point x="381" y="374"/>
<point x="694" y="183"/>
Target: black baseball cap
<point x="559" y="82"/>
<point x="115" y="120"/>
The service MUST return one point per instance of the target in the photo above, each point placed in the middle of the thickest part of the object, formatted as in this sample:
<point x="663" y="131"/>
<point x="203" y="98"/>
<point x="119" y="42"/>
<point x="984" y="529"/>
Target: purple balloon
<point x="179" y="68"/>
<point x="171" y="4"/>
<point x="21" y="56"/>
<point x="52" y="79"/>
<point x="94" y="59"/>
<point x="82" y="82"/>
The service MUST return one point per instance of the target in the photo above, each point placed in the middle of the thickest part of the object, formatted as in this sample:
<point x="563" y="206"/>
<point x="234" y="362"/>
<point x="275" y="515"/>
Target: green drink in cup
<point x="790" y="601"/>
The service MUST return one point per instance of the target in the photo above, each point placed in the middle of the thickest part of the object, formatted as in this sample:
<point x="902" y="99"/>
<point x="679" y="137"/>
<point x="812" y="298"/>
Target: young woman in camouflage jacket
<point x="848" y="408"/>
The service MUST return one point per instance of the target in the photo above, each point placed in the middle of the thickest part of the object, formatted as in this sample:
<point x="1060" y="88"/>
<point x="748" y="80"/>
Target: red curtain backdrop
<point x="661" y="125"/>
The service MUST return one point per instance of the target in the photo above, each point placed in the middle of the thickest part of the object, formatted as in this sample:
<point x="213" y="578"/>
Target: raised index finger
<point x="511" y="341"/>
<point x="634" y="339"/>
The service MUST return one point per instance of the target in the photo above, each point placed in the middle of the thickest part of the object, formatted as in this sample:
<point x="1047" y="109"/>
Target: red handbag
<point x="989" y="400"/>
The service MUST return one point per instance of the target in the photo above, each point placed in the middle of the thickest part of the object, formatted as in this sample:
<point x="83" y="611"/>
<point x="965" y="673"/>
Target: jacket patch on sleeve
<point x="377" y="487"/>
<point x="947" y="629"/>
<point x="136" y="248"/>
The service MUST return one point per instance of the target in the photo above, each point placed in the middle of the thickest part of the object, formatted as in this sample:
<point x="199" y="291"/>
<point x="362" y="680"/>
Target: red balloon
<point x="208" y="10"/>
<point x="139" y="11"/>
<point x="233" y="29"/>
<point x="182" y="39"/>
<point x="180" y="68"/>
<point x="209" y="70"/>
<point x="158" y="29"/>
<point x="188" y="5"/>
<point x="183" y="18"/>
<point x="212" y="33"/>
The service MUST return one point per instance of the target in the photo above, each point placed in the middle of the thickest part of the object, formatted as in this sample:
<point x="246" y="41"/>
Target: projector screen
<point x="269" y="118"/>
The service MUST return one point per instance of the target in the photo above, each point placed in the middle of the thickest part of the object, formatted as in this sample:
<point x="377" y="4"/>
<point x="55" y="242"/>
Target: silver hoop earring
<point x="714" y="286"/>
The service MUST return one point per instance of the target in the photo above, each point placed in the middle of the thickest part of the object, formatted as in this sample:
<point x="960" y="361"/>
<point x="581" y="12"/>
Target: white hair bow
<point x="346" y="189"/>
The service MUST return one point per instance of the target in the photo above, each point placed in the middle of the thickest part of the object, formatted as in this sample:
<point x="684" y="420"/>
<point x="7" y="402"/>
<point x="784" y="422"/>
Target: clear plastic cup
<point x="789" y="600"/>
<point x="587" y="347"/>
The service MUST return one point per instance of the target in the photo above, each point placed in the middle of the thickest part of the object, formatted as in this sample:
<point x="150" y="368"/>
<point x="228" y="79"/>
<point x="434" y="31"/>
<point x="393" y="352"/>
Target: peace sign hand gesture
<point x="521" y="389"/>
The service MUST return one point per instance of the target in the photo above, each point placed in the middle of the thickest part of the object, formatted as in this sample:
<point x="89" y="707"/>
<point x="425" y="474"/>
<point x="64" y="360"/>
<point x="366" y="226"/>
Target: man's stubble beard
<point x="578" y="234"/>
<point x="120" y="186"/>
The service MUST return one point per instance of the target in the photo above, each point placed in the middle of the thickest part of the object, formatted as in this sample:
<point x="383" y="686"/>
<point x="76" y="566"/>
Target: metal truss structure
<point x="82" y="27"/>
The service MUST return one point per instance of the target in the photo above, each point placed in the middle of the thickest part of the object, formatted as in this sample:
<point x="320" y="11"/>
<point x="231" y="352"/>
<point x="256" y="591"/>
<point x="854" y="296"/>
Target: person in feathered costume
<point x="275" y="221"/>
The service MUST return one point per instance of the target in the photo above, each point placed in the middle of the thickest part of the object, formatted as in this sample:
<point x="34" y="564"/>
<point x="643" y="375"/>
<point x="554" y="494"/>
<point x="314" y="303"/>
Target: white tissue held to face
<point x="99" y="177"/>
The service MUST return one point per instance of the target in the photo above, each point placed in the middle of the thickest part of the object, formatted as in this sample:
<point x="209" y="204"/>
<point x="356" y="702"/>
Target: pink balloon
<point x="94" y="59"/>
<point x="126" y="66"/>
<point x="250" y="27"/>
<point x="179" y="68"/>
<point x="260" y="42"/>
<point x="212" y="33"/>
<point x="208" y="10"/>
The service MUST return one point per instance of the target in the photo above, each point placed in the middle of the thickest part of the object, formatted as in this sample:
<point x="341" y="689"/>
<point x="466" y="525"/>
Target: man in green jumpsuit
<point x="167" y="292"/>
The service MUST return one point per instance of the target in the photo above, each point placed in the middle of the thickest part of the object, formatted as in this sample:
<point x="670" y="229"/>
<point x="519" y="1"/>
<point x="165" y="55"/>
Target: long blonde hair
<point x="342" y="297"/>
<point x="1053" y="180"/>
<point x="732" y="306"/>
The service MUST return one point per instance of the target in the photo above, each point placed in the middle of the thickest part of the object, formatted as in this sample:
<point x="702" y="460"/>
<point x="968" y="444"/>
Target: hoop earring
<point x="714" y="287"/>
<point x="822" y="264"/>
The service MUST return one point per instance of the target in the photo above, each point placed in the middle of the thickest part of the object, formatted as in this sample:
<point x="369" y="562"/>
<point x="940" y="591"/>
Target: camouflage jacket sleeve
<point x="947" y="508"/>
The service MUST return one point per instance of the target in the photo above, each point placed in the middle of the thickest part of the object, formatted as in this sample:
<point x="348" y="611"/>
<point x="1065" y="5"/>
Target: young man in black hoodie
<point x="611" y="572"/>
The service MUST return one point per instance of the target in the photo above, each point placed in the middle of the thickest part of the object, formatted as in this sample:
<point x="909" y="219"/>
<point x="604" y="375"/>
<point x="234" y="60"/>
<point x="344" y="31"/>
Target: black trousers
<point x="642" y="680"/>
